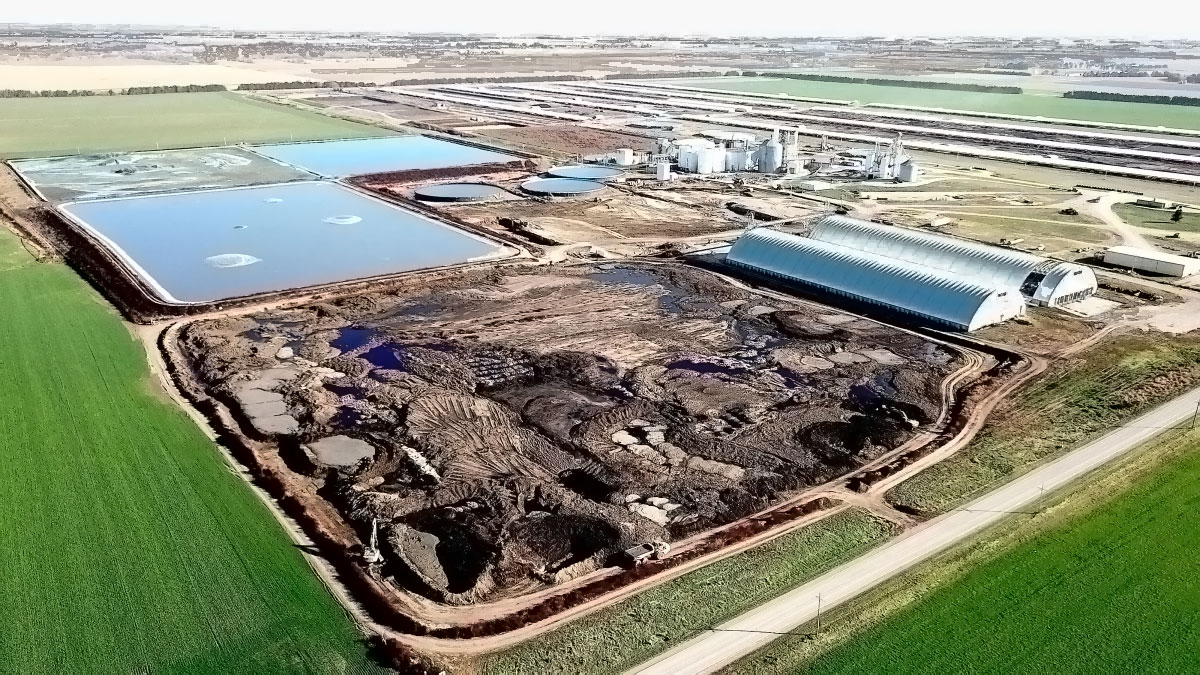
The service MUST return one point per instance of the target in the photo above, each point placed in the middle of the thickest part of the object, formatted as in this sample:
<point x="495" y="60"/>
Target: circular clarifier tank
<point x="561" y="187"/>
<point x="585" y="172"/>
<point x="458" y="192"/>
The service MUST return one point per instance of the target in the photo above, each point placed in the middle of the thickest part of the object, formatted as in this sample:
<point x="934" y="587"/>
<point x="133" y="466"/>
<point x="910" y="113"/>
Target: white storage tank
<point x="770" y="156"/>
<point x="909" y="171"/>
<point x="688" y="160"/>
<point x="710" y="160"/>
<point x="738" y="160"/>
<point x="662" y="171"/>
<point x="692" y="144"/>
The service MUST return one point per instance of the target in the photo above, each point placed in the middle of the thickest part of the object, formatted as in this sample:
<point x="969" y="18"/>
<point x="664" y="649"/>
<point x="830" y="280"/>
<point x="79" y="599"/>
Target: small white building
<point x="623" y="157"/>
<point x="1155" y="262"/>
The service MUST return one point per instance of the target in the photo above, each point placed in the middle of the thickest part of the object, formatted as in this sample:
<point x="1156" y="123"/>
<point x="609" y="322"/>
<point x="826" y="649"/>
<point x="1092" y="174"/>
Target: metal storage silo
<point x="739" y="159"/>
<point x="710" y="160"/>
<point x="687" y="160"/>
<point x="770" y="156"/>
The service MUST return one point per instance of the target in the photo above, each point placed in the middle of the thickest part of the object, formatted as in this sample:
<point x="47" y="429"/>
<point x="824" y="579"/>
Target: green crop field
<point x="126" y="543"/>
<point x="1043" y="105"/>
<point x="33" y="127"/>
<point x="1158" y="219"/>
<point x="1077" y="401"/>
<point x="1103" y="582"/>
<point x="617" y="638"/>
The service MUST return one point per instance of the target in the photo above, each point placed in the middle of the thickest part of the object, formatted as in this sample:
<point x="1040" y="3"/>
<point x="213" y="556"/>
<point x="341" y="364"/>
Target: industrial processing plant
<point x="610" y="358"/>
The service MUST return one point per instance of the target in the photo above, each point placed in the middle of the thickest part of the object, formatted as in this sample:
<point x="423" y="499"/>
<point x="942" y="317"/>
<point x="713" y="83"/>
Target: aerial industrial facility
<point x="508" y="349"/>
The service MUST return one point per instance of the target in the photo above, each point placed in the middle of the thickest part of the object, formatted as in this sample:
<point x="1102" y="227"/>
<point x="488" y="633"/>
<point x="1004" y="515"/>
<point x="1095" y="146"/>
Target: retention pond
<point x="200" y="247"/>
<point x="338" y="159"/>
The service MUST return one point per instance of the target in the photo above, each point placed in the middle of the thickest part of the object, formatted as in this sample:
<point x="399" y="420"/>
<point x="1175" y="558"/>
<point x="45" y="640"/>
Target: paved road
<point x="712" y="649"/>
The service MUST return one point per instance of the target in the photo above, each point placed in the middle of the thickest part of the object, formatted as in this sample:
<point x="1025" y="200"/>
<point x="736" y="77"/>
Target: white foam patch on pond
<point x="273" y="200"/>
<point x="343" y="220"/>
<point x="231" y="260"/>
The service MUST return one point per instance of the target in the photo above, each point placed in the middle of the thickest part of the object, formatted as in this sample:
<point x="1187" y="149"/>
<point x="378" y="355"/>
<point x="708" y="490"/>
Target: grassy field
<point x="1101" y="580"/>
<point x="32" y="127"/>
<point x="1158" y="219"/>
<point x="1076" y="401"/>
<point x="1060" y="237"/>
<point x="126" y="543"/>
<point x="1119" y="112"/>
<point x="624" y="635"/>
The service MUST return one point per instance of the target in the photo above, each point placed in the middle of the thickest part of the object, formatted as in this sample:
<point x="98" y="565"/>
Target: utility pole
<point x="818" y="613"/>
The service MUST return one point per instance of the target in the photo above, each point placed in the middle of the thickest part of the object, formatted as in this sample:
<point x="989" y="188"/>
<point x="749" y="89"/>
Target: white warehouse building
<point x="929" y="294"/>
<point x="942" y="280"/>
<point x="1155" y="262"/>
<point x="1043" y="281"/>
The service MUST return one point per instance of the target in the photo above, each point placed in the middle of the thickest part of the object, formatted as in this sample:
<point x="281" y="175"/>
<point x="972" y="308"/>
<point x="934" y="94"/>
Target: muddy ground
<point x="616" y="213"/>
<point x="515" y="429"/>
<point x="570" y="138"/>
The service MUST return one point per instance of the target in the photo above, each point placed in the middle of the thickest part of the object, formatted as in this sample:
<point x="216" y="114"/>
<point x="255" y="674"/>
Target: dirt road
<point x="1103" y="211"/>
<point x="724" y="644"/>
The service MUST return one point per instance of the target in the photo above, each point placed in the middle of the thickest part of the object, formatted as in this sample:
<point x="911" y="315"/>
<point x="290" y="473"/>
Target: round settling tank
<point x="458" y="192"/>
<point x="585" y="172"/>
<point x="561" y="187"/>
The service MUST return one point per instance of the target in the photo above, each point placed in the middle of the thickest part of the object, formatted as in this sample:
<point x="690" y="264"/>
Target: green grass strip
<point x="637" y="629"/>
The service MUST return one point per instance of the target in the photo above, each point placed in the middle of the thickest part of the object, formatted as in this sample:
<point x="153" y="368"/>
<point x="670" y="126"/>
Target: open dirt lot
<point x="514" y="430"/>
<point x="624" y="213"/>
<point x="570" y="138"/>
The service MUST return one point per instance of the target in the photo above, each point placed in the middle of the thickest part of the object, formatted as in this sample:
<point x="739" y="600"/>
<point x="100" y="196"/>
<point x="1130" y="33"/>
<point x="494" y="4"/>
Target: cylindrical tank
<point x="710" y="160"/>
<point x="663" y="171"/>
<point x="688" y="160"/>
<point x="770" y="156"/>
<point x="737" y="160"/>
<point x="623" y="156"/>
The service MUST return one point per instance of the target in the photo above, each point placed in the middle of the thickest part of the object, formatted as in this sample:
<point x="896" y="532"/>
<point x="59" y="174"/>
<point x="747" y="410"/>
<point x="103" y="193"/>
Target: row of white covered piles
<point x="941" y="280"/>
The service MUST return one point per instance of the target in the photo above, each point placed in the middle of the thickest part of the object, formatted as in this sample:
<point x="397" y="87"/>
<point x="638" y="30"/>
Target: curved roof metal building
<point x="931" y="294"/>
<point x="988" y="265"/>
<point x="1046" y="282"/>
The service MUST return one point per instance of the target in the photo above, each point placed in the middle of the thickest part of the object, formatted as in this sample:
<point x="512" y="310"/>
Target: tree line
<point x="915" y="84"/>
<point x="300" y="84"/>
<point x="176" y="89"/>
<point x="61" y="93"/>
<point x="1133" y="98"/>
<point x="45" y="93"/>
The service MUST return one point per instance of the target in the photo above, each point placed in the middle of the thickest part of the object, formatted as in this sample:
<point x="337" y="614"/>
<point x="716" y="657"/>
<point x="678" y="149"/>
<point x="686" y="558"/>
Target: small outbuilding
<point x="1152" y="261"/>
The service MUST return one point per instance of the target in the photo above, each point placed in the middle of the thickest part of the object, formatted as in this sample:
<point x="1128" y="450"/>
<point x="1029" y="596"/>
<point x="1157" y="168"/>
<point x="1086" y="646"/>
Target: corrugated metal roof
<point x="906" y="287"/>
<point x="980" y="263"/>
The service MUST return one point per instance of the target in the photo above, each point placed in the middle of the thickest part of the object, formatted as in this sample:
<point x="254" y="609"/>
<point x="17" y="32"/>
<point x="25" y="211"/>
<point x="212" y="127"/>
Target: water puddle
<point x="385" y="356"/>
<point x="352" y="338"/>
<point x="709" y="367"/>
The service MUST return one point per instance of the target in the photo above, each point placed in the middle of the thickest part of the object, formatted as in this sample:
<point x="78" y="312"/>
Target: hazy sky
<point x="1147" y="19"/>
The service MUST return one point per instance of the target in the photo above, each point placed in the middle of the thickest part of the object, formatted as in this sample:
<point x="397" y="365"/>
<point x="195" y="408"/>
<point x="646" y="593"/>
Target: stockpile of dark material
<point x="529" y="427"/>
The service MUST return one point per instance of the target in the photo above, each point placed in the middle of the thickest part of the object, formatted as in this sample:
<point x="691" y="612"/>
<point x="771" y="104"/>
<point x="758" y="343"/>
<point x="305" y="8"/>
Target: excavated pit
<point x="529" y="425"/>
